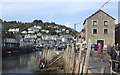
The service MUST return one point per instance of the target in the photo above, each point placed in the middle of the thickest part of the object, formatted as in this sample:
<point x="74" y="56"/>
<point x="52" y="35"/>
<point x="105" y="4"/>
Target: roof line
<point x="96" y="13"/>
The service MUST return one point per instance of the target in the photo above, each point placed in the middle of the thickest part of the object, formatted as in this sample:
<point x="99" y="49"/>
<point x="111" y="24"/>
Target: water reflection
<point x="20" y="64"/>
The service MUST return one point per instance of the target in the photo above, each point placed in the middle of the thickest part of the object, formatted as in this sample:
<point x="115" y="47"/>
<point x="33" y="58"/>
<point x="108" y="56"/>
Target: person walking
<point x="99" y="52"/>
<point x="113" y="56"/>
<point x="109" y="50"/>
<point x="118" y="56"/>
<point x="99" y="47"/>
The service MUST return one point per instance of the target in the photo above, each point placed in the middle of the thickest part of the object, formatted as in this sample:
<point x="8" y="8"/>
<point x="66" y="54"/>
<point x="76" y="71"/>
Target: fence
<point x="80" y="64"/>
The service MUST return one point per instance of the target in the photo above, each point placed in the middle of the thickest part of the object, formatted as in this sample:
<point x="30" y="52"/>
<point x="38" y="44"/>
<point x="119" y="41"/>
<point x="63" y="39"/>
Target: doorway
<point x="102" y="42"/>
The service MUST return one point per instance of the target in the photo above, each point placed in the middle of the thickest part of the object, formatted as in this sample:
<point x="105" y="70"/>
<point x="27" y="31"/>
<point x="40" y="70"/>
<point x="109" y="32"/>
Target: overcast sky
<point x="59" y="11"/>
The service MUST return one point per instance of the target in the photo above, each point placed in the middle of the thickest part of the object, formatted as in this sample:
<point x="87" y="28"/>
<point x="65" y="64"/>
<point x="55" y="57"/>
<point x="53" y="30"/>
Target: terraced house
<point x="100" y="28"/>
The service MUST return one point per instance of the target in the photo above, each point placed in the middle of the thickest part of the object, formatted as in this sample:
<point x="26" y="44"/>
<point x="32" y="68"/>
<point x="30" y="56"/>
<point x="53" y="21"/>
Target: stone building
<point x="117" y="34"/>
<point x="100" y="28"/>
<point x="81" y="36"/>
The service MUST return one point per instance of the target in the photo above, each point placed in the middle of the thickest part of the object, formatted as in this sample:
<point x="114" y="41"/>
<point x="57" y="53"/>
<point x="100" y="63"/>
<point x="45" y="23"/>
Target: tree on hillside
<point x="53" y="23"/>
<point x="13" y="22"/>
<point x="37" y="21"/>
<point x="54" y="29"/>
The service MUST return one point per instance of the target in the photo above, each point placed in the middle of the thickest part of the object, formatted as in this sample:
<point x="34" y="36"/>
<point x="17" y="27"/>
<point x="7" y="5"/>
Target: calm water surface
<point x="20" y="64"/>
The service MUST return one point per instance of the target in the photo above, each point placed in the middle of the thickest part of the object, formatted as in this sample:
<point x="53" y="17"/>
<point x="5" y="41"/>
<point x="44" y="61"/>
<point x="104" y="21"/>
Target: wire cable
<point x="98" y="9"/>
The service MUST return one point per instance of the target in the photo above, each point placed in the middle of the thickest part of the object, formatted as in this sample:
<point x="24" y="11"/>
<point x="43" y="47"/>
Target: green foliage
<point x="37" y="21"/>
<point x="51" y="27"/>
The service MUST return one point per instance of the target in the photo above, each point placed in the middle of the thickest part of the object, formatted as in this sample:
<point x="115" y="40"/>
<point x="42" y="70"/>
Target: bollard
<point x="110" y="67"/>
<point x="103" y="70"/>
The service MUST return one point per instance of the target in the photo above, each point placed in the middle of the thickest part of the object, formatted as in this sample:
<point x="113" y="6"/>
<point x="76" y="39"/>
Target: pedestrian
<point x="117" y="47"/>
<point x="99" y="48"/>
<point x="118" y="57"/>
<point x="99" y="52"/>
<point x="113" y="56"/>
<point x="109" y="50"/>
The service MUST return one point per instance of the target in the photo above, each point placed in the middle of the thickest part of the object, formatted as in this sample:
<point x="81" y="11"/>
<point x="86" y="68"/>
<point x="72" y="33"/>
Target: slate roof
<point x="96" y="13"/>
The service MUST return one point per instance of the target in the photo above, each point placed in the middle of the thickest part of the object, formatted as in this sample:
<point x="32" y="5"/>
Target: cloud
<point x="66" y="13"/>
<point x="68" y="24"/>
<point x="50" y="9"/>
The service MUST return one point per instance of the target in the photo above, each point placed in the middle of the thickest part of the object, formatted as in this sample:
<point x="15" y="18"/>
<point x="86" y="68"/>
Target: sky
<point x="64" y="12"/>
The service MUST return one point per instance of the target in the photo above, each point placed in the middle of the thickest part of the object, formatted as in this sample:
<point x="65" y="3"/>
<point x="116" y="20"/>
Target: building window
<point x="105" y="23"/>
<point x="105" y="31"/>
<point x="94" y="31"/>
<point x="94" y="23"/>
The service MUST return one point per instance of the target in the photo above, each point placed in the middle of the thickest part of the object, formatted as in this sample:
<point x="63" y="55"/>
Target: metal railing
<point x="111" y="70"/>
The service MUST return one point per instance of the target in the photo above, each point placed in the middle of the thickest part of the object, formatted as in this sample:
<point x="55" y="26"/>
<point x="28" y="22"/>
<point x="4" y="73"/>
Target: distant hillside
<point x="51" y="27"/>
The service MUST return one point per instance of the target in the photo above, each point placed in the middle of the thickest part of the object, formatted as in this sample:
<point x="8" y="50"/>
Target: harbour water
<point x="20" y="64"/>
